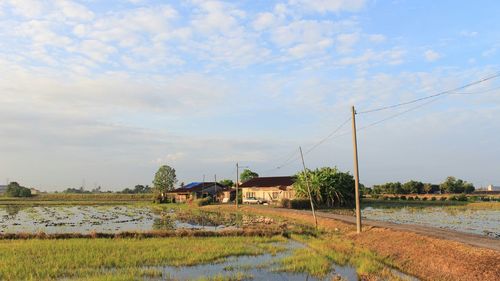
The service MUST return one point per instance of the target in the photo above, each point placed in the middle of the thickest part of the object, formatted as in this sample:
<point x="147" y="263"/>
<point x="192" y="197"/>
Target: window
<point x="275" y="195"/>
<point x="250" y="194"/>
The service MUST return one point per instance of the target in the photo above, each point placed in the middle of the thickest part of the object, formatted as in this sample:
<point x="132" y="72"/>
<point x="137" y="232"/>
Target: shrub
<point x="452" y="198"/>
<point x="385" y="198"/>
<point x="410" y="198"/>
<point x="202" y="201"/>
<point x="461" y="197"/>
<point x="442" y="198"/>
<point x="402" y="197"/>
<point x="375" y="196"/>
<point x="285" y="203"/>
<point x="433" y="198"/>
<point x="417" y="198"/>
<point x="424" y="199"/>
<point x="485" y="198"/>
<point x="300" y="204"/>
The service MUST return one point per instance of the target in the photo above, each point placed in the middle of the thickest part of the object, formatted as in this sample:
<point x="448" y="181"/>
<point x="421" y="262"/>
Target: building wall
<point x="268" y="193"/>
<point x="493" y="188"/>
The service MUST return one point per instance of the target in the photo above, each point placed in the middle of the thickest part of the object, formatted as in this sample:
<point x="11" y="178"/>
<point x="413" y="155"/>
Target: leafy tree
<point x="413" y="187"/>
<point x="329" y="186"/>
<point x="227" y="182"/>
<point x="428" y="188"/>
<point x="388" y="188"/>
<point x="164" y="180"/>
<point x="454" y="185"/>
<point x="248" y="174"/>
<point x="16" y="190"/>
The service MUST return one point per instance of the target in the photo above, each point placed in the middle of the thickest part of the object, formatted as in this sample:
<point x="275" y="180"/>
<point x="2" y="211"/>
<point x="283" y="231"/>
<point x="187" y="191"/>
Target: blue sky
<point x="106" y="91"/>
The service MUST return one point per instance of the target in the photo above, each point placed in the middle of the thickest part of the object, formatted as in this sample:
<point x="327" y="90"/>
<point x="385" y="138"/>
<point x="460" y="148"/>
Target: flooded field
<point x="105" y="219"/>
<point x="477" y="221"/>
<point x="260" y="267"/>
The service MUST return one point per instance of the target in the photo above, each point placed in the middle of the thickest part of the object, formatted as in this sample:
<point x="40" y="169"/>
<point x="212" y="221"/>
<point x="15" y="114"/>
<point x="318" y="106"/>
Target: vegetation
<point x="15" y="190"/>
<point x="248" y="174"/>
<point x="450" y="185"/>
<point x="97" y="259"/>
<point x="296" y="203"/>
<point x="164" y="181"/>
<point x="138" y="189"/>
<point x="227" y="182"/>
<point x="329" y="186"/>
<point x="453" y="185"/>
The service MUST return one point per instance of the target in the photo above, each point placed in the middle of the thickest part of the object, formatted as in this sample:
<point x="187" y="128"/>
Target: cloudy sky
<point x="104" y="92"/>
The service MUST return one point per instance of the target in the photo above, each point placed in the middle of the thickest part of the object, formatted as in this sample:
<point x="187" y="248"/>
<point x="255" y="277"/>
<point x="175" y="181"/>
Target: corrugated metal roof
<point x="269" y="182"/>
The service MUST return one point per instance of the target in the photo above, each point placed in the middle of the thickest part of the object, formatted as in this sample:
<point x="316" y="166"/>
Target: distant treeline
<point x="138" y="189"/>
<point x="450" y="185"/>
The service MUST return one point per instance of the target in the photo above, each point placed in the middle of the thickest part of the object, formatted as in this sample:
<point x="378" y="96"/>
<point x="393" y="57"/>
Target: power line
<point x="295" y="157"/>
<point x="431" y="96"/>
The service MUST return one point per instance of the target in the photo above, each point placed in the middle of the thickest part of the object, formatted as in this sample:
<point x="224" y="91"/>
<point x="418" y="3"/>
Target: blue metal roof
<point x="191" y="185"/>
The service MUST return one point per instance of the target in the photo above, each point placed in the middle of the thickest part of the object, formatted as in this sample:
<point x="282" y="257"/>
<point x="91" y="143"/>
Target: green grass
<point x="77" y="199"/>
<point x="94" y="259"/>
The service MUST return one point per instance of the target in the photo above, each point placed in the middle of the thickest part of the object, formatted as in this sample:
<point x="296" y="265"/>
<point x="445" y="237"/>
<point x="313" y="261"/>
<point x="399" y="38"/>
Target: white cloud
<point x="467" y="33"/>
<point x="431" y="55"/>
<point x="263" y="21"/>
<point x="345" y="42"/>
<point x="27" y="8"/>
<point x="376" y="38"/>
<point x="96" y="50"/>
<point x="73" y="10"/>
<point x="326" y="6"/>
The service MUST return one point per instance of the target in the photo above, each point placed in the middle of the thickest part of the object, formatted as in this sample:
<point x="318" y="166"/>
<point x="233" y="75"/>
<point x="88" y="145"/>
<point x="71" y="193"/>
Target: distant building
<point x="35" y="191"/>
<point x="492" y="188"/>
<point x="3" y="189"/>
<point x="197" y="190"/>
<point x="268" y="189"/>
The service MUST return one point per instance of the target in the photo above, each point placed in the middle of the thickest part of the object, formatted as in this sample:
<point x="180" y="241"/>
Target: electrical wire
<point x="431" y="96"/>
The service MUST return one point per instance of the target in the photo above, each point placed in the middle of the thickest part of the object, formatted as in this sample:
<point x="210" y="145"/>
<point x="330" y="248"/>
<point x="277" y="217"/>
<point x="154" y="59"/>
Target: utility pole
<point x="308" y="188"/>
<point x="237" y="183"/>
<point x="356" y="171"/>
<point x="202" y="186"/>
<point x="215" y="187"/>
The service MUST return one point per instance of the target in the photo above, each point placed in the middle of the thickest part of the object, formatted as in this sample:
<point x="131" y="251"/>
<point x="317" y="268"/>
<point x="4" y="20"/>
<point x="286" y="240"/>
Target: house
<point x="3" y="189"/>
<point x="492" y="188"/>
<point x="197" y="190"/>
<point x="269" y="189"/>
<point x="35" y="191"/>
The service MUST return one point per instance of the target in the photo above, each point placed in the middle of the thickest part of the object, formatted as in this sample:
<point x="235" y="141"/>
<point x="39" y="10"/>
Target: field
<point x="219" y="243"/>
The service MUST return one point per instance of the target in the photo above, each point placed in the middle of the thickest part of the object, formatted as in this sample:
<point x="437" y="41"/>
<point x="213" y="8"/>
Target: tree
<point x="329" y="186"/>
<point x="164" y="180"/>
<point x="428" y="188"/>
<point x="413" y="187"/>
<point x="388" y="188"/>
<point x="16" y="190"/>
<point x="248" y="174"/>
<point x="454" y="185"/>
<point x="227" y="182"/>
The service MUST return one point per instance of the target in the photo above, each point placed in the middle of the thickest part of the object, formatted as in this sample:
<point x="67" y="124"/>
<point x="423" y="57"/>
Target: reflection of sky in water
<point x="478" y="221"/>
<point x="86" y="219"/>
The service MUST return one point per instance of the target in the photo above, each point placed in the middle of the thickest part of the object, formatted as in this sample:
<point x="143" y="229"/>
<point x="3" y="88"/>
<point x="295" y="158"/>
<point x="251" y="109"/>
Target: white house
<point x="492" y="188"/>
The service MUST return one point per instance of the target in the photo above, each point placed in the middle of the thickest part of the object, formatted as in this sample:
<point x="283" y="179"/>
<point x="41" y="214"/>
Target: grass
<point x="77" y="199"/>
<point x="111" y="259"/>
<point x="322" y="251"/>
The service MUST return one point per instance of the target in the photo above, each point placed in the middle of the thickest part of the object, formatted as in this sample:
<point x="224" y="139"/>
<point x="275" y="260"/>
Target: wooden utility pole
<point x="356" y="171"/>
<point x="308" y="188"/>
<point x="215" y="187"/>
<point x="237" y="183"/>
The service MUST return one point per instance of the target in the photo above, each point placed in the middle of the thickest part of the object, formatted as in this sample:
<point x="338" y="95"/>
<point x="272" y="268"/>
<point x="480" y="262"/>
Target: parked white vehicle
<point x="252" y="200"/>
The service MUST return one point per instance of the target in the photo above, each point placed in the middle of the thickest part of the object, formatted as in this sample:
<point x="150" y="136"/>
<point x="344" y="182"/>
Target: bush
<point x="202" y="201"/>
<point x="433" y="198"/>
<point x="410" y="198"/>
<point x="424" y="199"/>
<point x="402" y="197"/>
<point x="375" y="196"/>
<point x="461" y="197"/>
<point x="417" y="198"/>
<point x="285" y="203"/>
<point x="485" y="199"/>
<point x="385" y="198"/>
<point x="443" y="198"/>
<point x="299" y="204"/>
<point x="452" y="198"/>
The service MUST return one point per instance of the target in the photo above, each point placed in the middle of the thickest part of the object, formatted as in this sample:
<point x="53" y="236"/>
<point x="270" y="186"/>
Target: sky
<point x="102" y="93"/>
